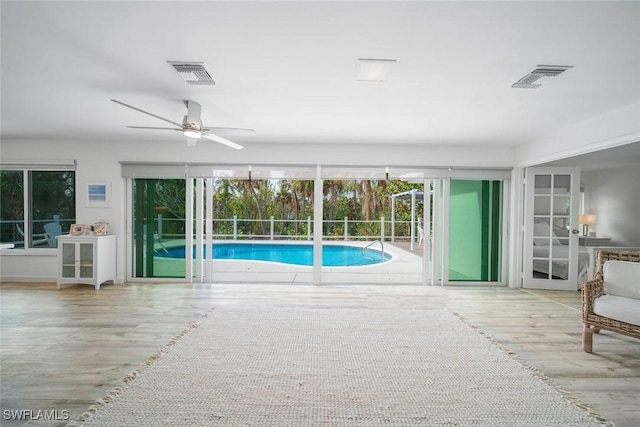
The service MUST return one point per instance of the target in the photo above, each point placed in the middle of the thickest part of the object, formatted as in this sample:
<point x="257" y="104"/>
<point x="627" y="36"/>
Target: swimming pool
<point x="332" y="255"/>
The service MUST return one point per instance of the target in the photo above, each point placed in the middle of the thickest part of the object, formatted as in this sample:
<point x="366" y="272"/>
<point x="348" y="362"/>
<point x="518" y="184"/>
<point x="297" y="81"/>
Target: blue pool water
<point x="332" y="255"/>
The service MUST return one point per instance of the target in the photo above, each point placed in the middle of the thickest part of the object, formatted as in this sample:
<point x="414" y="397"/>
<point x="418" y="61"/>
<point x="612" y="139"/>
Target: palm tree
<point x="332" y="188"/>
<point x="370" y="191"/>
<point x="283" y="197"/>
<point x="302" y="190"/>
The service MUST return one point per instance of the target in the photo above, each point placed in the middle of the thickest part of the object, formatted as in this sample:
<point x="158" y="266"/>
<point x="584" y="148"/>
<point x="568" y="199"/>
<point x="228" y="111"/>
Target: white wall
<point x="613" y="195"/>
<point x="609" y="130"/>
<point x="100" y="162"/>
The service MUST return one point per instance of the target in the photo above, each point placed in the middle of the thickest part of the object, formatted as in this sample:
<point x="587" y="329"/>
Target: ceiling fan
<point x="192" y="128"/>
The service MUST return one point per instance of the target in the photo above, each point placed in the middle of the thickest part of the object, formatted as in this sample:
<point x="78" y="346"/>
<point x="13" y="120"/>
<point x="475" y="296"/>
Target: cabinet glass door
<point x="86" y="260"/>
<point x="68" y="260"/>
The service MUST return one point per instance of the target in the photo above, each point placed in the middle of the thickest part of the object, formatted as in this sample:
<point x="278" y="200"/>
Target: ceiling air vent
<point x="193" y="73"/>
<point x="527" y="82"/>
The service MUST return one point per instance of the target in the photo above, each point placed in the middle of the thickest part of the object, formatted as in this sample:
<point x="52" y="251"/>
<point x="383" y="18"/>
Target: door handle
<point x="574" y="231"/>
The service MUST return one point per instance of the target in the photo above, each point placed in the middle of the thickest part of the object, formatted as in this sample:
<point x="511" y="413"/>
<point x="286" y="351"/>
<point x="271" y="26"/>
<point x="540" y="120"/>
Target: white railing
<point x="14" y="231"/>
<point x="301" y="229"/>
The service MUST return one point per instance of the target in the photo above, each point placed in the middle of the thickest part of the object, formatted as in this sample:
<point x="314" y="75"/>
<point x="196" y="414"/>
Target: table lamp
<point x="586" y="220"/>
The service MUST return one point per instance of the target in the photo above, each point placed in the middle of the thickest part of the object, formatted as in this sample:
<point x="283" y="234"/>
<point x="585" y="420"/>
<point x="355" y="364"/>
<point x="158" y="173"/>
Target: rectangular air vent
<point x="527" y="82"/>
<point x="193" y="73"/>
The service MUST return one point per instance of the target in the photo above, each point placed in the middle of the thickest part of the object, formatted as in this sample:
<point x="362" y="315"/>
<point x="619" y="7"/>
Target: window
<point x="37" y="205"/>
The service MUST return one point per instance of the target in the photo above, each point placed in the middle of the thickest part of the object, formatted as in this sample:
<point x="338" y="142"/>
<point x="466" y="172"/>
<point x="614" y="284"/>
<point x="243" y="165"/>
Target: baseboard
<point x="21" y="279"/>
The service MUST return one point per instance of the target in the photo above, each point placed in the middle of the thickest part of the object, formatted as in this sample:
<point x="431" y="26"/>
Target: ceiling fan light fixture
<point x="192" y="133"/>
<point x="373" y="70"/>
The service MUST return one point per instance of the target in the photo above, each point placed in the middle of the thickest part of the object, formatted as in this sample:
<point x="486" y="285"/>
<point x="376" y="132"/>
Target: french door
<point x="551" y="228"/>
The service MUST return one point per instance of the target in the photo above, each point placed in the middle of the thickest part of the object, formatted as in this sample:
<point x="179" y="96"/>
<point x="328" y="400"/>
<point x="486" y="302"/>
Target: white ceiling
<point x="287" y="69"/>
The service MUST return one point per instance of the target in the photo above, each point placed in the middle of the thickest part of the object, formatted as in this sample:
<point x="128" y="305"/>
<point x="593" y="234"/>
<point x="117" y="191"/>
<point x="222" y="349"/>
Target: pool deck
<point x="405" y="267"/>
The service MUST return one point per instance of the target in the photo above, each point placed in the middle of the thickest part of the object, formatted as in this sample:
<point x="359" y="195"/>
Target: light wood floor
<point x="63" y="349"/>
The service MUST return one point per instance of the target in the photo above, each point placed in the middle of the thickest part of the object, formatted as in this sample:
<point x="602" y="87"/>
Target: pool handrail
<point x="381" y="250"/>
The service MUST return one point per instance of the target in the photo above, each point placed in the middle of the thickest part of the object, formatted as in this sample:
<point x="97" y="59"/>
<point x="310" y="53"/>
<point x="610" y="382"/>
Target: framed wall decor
<point x="77" y="229"/>
<point x="98" y="194"/>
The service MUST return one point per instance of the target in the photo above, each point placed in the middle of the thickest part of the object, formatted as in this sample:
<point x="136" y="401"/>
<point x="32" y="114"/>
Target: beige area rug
<point x="335" y="367"/>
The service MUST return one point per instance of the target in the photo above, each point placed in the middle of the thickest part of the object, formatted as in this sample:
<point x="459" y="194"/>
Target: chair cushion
<point x="618" y="308"/>
<point x="622" y="278"/>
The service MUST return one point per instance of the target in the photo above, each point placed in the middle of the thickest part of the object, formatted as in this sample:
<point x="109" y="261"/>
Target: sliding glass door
<point x="468" y="235"/>
<point x="158" y="228"/>
<point x="475" y="231"/>
<point x="387" y="226"/>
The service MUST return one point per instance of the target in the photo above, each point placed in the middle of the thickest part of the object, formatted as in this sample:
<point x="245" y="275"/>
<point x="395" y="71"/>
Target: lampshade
<point x="587" y="219"/>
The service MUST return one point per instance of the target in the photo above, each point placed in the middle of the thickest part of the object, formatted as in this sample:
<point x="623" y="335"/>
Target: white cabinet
<point x="86" y="259"/>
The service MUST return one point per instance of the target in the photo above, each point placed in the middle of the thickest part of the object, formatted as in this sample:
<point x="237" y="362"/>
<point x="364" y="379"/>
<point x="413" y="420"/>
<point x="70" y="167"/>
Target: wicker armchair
<point x="592" y="289"/>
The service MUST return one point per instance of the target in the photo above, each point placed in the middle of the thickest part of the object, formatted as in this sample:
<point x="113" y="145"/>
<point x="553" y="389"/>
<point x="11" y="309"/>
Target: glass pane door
<point x="158" y="244"/>
<point x="86" y="260"/>
<point x="68" y="260"/>
<point x="551" y="246"/>
<point x="475" y="231"/>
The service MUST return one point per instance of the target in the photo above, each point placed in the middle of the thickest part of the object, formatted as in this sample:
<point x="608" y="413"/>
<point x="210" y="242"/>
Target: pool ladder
<point x="381" y="250"/>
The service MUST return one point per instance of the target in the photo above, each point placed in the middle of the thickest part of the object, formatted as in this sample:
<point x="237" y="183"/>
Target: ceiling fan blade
<point x="148" y="113"/>
<point x="154" y="128"/>
<point x="222" y="140"/>
<point x="230" y="131"/>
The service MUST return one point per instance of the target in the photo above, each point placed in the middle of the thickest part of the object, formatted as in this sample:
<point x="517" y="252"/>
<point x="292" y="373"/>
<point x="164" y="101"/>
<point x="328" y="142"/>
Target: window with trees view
<point x="37" y="205"/>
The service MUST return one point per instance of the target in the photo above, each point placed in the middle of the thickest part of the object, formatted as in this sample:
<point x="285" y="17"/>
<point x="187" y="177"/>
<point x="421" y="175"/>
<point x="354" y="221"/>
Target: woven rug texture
<point x="335" y="367"/>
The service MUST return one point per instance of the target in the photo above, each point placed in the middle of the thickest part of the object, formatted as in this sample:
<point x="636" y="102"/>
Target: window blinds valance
<point x="33" y="164"/>
<point x="211" y="170"/>
<point x="153" y="170"/>
<point x="244" y="171"/>
<point x="303" y="172"/>
<point x="411" y="173"/>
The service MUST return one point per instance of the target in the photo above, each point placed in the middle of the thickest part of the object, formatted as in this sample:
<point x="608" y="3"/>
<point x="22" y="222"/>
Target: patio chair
<point x="420" y="235"/>
<point x="52" y="230"/>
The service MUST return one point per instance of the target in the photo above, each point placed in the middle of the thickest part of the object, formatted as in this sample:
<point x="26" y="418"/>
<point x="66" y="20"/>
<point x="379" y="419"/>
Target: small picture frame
<point x="77" y="230"/>
<point x="98" y="194"/>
